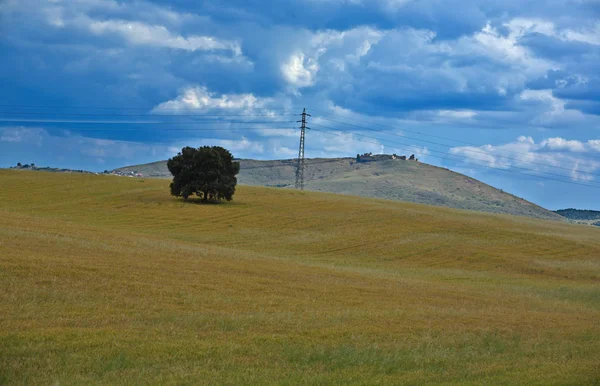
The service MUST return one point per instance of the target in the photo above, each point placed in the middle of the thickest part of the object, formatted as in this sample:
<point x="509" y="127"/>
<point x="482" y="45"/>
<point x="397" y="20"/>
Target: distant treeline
<point x="579" y="214"/>
<point x="49" y="169"/>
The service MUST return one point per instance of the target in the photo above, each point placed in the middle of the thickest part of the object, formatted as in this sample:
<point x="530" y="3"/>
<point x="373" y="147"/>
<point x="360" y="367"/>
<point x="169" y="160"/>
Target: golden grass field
<point x="109" y="280"/>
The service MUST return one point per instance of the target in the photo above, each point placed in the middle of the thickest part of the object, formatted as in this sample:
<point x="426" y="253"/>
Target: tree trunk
<point x="205" y="195"/>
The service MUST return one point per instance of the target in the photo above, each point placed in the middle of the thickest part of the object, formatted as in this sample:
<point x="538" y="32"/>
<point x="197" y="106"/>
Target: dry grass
<point x="110" y="280"/>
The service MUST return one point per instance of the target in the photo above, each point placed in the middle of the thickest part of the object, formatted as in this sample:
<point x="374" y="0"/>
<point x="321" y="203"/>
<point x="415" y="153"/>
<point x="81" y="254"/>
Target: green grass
<point x="109" y="280"/>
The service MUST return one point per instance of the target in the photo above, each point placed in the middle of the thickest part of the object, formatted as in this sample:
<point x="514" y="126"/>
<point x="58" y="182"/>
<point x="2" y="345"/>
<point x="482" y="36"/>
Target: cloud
<point x="299" y="70"/>
<point x="325" y="50"/>
<point x="201" y="99"/>
<point x="267" y="132"/>
<point x="342" y="143"/>
<point x="556" y="156"/>
<point x="594" y="145"/>
<point x="28" y="135"/>
<point x="63" y="142"/>
<point x="475" y="71"/>
<point x="410" y="69"/>
<point x="590" y="36"/>
<point x="85" y="151"/>
<point x="242" y="145"/>
<point x="138" y="23"/>
<point x="551" y="111"/>
<point x="457" y="114"/>
<point x="520" y="27"/>
<point x="284" y="151"/>
<point x="564" y="144"/>
<point x="159" y="36"/>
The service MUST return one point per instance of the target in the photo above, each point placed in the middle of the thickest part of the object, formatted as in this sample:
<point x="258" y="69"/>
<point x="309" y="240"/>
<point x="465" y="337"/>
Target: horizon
<point x="41" y="167"/>
<point x="503" y="93"/>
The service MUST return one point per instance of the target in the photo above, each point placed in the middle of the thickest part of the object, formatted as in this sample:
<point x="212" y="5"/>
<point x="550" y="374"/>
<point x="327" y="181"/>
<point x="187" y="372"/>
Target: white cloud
<point x="339" y="143"/>
<point x="344" y="144"/>
<point x="553" y="111"/>
<point x="299" y="70"/>
<point x="200" y="99"/>
<point x="284" y="152"/>
<point x="326" y="50"/>
<point x="556" y="105"/>
<point x="28" y="135"/>
<point x="518" y="27"/>
<point x="395" y="5"/>
<point x="269" y="132"/>
<point x="413" y="62"/>
<point x="558" y="143"/>
<point x="556" y="156"/>
<point x="457" y="114"/>
<point x="506" y="48"/>
<point x="594" y="145"/>
<point x="159" y="36"/>
<point x="138" y="23"/>
<point x="81" y="148"/>
<point x="241" y="145"/>
<point x="591" y="36"/>
<point x="84" y="146"/>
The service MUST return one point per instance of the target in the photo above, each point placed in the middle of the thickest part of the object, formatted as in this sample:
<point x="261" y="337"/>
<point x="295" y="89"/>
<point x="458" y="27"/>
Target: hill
<point x="590" y="217"/>
<point x="578" y="214"/>
<point x="107" y="280"/>
<point x="381" y="178"/>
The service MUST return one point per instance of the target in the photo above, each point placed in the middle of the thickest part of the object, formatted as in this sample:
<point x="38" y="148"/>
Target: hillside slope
<point x="390" y="179"/>
<point x="578" y="216"/>
<point x="107" y="280"/>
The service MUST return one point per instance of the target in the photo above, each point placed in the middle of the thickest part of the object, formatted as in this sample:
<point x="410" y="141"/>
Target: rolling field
<point x="109" y="280"/>
<point x="406" y="181"/>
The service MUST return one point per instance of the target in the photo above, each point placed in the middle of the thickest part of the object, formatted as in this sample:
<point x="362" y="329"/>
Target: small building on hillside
<point x="370" y="157"/>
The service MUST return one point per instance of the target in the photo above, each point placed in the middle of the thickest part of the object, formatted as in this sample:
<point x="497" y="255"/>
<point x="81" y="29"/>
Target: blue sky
<point x="498" y="90"/>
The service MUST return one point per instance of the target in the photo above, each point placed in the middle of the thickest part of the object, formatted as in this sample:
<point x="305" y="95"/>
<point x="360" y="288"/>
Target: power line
<point x="116" y="107"/>
<point x="301" y="152"/>
<point x="104" y="122"/>
<point x="452" y="159"/>
<point x="407" y="130"/>
<point x="291" y="164"/>
<point x="476" y="164"/>
<point x="158" y="130"/>
<point x="467" y="150"/>
<point x="411" y="131"/>
<point x="150" y="115"/>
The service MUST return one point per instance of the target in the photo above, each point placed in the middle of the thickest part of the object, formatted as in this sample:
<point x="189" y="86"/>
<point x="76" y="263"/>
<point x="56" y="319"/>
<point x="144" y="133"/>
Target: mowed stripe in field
<point x="111" y="280"/>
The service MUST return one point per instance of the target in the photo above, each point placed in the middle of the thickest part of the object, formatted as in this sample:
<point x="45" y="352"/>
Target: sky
<point x="507" y="92"/>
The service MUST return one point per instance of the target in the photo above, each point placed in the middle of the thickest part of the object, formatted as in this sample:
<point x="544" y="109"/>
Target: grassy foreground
<point x="110" y="280"/>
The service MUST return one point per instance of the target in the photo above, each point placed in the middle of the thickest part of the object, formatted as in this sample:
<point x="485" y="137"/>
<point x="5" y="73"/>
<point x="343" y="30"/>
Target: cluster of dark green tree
<point x="208" y="172"/>
<point x="579" y="214"/>
<point x="26" y="166"/>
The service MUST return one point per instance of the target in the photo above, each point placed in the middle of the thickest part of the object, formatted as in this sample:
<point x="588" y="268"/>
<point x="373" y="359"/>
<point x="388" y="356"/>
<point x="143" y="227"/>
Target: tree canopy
<point x="209" y="172"/>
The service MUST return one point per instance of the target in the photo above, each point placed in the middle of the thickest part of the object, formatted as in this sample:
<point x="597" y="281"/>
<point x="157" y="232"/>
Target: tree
<point x="19" y="164"/>
<point x="209" y="172"/>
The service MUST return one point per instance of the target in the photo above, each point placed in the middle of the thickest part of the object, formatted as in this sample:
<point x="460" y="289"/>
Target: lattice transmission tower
<point x="300" y="167"/>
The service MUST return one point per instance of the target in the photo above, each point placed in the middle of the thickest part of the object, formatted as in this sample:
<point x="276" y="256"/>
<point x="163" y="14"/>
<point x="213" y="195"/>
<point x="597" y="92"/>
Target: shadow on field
<point x="199" y="201"/>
